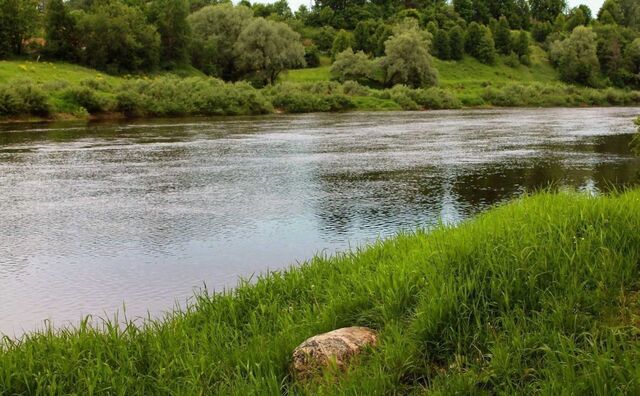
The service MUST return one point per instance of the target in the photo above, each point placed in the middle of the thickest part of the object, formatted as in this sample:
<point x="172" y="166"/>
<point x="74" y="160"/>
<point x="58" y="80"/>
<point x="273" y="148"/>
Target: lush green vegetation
<point x="464" y="53"/>
<point x="64" y="90"/>
<point x="539" y="296"/>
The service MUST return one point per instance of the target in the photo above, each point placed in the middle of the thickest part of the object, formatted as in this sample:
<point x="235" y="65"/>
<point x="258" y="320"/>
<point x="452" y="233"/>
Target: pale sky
<point x="594" y="4"/>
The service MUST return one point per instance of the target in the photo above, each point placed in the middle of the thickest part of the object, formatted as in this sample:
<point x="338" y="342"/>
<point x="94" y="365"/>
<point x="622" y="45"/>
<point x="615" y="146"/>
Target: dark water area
<point x="143" y="213"/>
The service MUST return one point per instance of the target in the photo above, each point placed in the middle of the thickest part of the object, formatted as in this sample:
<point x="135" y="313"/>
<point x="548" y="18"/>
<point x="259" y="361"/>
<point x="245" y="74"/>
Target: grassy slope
<point x="539" y="296"/>
<point x="468" y="73"/>
<point x="44" y="72"/>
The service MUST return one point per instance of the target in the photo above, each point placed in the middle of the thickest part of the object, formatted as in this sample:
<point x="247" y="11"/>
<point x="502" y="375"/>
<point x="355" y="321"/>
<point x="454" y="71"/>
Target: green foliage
<point x="364" y="36"/>
<point x="215" y="30"/>
<point x="632" y="57"/>
<point x="89" y="99"/>
<point x="18" y="20"/>
<point x="21" y="98"/>
<point x="538" y="296"/>
<point x="173" y="96"/>
<point x="407" y="59"/>
<point x="117" y="38"/>
<point x="541" y="30"/>
<point x="486" y="51"/>
<point x="342" y="42"/>
<point x="265" y="48"/>
<point x="578" y="17"/>
<point x="170" y="19"/>
<point x="503" y="37"/>
<point x="309" y="98"/>
<point x="635" y="143"/>
<point x="312" y="56"/>
<point x="442" y="44"/>
<point x="456" y="43"/>
<point x="350" y="66"/>
<point x="61" y="33"/>
<point x="547" y="10"/>
<point x="577" y="58"/>
<point x="324" y="38"/>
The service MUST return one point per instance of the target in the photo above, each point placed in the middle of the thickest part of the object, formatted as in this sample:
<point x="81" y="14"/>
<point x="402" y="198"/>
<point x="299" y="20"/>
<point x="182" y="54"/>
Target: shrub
<point x="512" y="60"/>
<point x="435" y="99"/>
<point x="353" y="88"/>
<point x="130" y="103"/>
<point x="23" y="98"/>
<point x="87" y="98"/>
<point x="576" y="57"/>
<point x="353" y="66"/>
<point x="312" y="56"/>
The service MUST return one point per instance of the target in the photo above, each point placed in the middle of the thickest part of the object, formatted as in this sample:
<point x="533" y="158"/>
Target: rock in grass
<point x="337" y="346"/>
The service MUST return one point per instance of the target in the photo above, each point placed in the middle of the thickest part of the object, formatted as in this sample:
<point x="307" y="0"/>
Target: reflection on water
<point x="142" y="213"/>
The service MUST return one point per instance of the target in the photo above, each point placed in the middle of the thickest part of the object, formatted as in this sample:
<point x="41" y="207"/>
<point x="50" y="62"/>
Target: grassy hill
<point x="539" y="296"/>
<point x="59" y="90"/>
<point x="467" y="73"/>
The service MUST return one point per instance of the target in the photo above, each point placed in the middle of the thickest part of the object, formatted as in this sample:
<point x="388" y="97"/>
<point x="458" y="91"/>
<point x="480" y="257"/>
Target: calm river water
<point x="96" y="216"/>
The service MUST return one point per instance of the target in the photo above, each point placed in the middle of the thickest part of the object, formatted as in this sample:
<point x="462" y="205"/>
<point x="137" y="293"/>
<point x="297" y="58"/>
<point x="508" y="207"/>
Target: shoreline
<point x="117" y="116"/>
<point x="526" y="287"/>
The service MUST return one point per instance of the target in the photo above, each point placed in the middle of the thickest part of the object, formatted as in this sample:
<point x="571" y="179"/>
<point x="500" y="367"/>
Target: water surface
<point x="141" y="213"/>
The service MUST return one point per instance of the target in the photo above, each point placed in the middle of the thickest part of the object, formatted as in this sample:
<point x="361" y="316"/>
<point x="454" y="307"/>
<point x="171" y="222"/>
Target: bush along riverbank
<point x="539" y="296"/>
<point x="203" y="96"/>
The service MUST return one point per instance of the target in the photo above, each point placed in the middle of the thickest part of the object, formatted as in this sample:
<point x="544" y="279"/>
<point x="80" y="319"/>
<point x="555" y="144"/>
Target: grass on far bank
<point x="539" y="296"/>
<point x="59" y="90"/>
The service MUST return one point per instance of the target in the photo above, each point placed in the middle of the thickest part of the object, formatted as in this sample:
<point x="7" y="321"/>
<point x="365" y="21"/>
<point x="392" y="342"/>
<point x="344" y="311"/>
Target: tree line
<point x="376" y="42"/>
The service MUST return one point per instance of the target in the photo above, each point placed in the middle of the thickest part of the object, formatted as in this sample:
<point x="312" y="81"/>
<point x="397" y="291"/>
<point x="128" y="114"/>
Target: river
<point x="97" y="217"/>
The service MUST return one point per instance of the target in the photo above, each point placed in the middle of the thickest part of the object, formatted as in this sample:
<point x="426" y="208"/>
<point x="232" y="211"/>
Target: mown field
<point x="539" y="296"/>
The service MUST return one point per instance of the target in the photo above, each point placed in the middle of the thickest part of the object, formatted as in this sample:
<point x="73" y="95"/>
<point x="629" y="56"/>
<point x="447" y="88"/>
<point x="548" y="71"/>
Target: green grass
<point x="45" y="72"/>
<point x="540" y="296"/>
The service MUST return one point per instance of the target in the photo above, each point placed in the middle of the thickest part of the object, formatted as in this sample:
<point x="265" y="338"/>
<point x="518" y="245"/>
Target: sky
<point x="594" y="4"/>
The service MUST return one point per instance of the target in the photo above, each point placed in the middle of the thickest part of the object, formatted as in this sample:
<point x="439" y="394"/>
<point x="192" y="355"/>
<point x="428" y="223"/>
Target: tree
<point x="18" y="20"/>
<point x="342" y="41"/>
<point x="364" y="36"/>
<point x="383" y="33"/>
<point x="61" y="33"/>
<point x="265" y="48"/>
<point x="353" y="66"/>
<point x="456" y="43"/>
<point x="472" y="39"/>
<point x="576" y="57"/>
<point x="632" y="57"/>
<point x="117" y="38"/>
<point x="486" y="52"/>
<point x="503" y="37"/>
<point x="170" y="18"/>
<point x="547" y="10"/>
<point x="441" y="47"/>
<point x="407" y="59"/>
<point x="464" y="8"/>
<point x="521" y="47"/>
<point x="577" y="17"/>
<point x="540" y="31"/>
<point x="215" y="30"/>
<point x="324" y="38"/>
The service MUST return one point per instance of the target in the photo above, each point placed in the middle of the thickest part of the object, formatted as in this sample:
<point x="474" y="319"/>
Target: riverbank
<point x="72" y="92"/>
<point x="540" y="295"/>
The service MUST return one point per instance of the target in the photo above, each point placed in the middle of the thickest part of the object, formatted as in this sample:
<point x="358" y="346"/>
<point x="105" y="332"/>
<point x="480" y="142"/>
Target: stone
<point x="337" y="346"/>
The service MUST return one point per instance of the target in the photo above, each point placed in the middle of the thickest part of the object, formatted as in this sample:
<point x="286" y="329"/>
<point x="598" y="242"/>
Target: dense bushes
<point x="198" y="96"/>
<point x="23" y="98"/>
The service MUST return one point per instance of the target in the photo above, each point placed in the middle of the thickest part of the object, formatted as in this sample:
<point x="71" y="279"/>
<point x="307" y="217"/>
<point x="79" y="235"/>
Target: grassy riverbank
<point x="59" y="90"/>
<point x="539" y="296"/>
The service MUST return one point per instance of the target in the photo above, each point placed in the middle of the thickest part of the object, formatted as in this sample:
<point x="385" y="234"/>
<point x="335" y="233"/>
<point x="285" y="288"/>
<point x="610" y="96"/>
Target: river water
<point x="140" y="214"/>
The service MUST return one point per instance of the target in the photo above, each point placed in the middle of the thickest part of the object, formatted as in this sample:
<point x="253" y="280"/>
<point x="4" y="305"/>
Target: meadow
<point x="540" y="296"/>
<point x="43" y="90"/>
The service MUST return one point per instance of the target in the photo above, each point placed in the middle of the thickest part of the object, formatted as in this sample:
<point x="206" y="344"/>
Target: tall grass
<point x="538" y="296"/>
